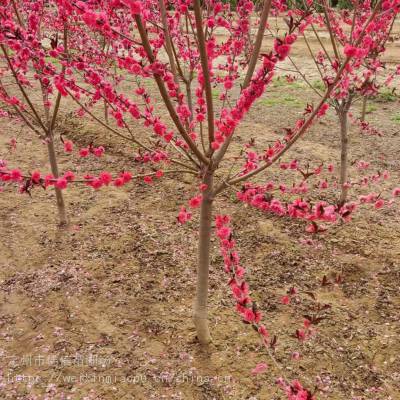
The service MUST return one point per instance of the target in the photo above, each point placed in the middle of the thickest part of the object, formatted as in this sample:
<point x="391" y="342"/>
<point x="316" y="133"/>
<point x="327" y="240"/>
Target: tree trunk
<point x="106" y="112"/>
<point x="189" y="98"/>
<point x="200" y="314"/>
<point x="344" y="155"/>
<point x="364" y="108"/>
<point x="54" y="171"/>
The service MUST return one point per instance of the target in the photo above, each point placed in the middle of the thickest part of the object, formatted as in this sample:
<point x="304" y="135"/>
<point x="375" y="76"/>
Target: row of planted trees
<point x="107" y="55"/>
<point x="293" y="4"/>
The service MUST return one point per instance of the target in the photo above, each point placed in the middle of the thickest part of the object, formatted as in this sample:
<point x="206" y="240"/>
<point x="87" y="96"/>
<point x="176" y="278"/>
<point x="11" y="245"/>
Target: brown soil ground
<point x="103" y="309"/>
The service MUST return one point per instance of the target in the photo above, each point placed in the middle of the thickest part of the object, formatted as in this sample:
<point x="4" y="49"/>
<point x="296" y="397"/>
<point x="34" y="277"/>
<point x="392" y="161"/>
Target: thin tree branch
<point x="206" y="72"/>
<point x="58" y="99"/>
<point x="252" y="65"/>
<point x="322" y="45"/>
<point x="21" y="88"/>
<point x="168" y="41"/>
<point x="17" y="13"/>
<point x="111" y="129"/>
<point x="304" y="77"/>
<point x="312" y="55"/>
<point x="332" y="37"/>
<point x="307" y="124"/>
<point x="165" y="96"/>
<point x="257" y="43"/>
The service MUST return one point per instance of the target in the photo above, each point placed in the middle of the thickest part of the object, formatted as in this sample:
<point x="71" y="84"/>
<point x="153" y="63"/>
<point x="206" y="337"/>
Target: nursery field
<point x="102" y="309"/>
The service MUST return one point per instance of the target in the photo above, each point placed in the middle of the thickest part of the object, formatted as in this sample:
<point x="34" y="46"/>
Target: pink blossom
<point x="184" y="216"/>
<point x="386" y="175"/>
<point x="281" y="49"/>
<point x="126" y="176"/>
<point x="183" y="111"/>
<point x="96" y="183"/>
<point x="323" y="185"/>
<point x="263" y="331"/>
<point x="60" y="84"/>
<point x="13" y="143"/>
<point x="105" y="178"/>
<point x="195" y="202"/>
<point x="296" y="355"/>
<point x="119" y="182"/>
<point x="322" y="111"/>
<point x="134" y="111"/>
<point x="228" y="84"/>
<point x="134" y="5"/>
<point x="223" y="232"/>
<point x="249" y="315"/>
<point x="16" y="175"/>
<point x="35" y="176"/>
<point x="259" y="368"/>
<point x="48" y="180"/>
<point x="284" y="166"/>
<point x="98" y="151"/>
<point x="69" y="176"/>
<point x="301" y="335"/>
<point x="312" y="228"/>
<point x="290" y="39"/>
<point x="293" y="164"/>
<point x="159" y="128"/>
<point x="61" y="183"/>
<point x="221" y="220"/>
<point x="349" y="50"/>
<point x="200" y="117"/>
<point x="215" y="145"/>
<point x="68" y="146"/>
<point x="84" y="152"/>
<point x="379" y="203"/>
<point x="362" y="164"/>
<point x="168" y="137"/>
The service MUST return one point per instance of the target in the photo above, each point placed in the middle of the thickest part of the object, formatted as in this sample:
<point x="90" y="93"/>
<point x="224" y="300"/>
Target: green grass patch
<point x="270" y="101"/>
<point x="215" y="93"/>
<point x="290" y="99"/>
<point x="287" y="100"/>
<point x="318" y="84"/>
<point x="396" y="118"/>
<point x="293" y="101"/>
<point x="282" y="82"/>
<point x="279" y="81"/>
<point x="386" y="96"/>
<point x="53" y="61"/>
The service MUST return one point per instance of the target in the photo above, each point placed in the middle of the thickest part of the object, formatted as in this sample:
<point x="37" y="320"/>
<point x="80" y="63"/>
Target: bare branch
<point x="257" y="43"/>
<point x="206" y="72"/>
<point x="165" y="96"/>
<point x="21" y="88"/>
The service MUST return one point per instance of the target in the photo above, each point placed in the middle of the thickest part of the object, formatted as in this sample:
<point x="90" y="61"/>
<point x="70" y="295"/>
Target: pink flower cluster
<point x="195" y="202"/>
<point x="85" y="151"/>
<point x="263" y="76"/>
<point x="96" y="182"/>
<point x="260" y="197"/>
<point x="295" y="390"/>
<point x="245" y="306"/>
<point x="184" y="215"/>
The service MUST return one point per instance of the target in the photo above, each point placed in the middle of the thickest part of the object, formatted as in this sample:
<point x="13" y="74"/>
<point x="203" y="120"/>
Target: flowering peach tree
<point x="112" y="55"/>
<point x="360" y="80"/>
